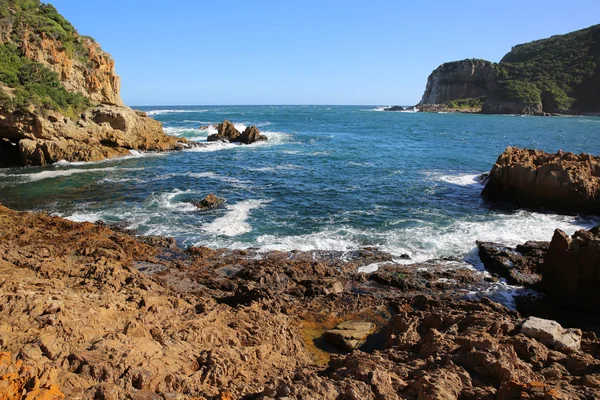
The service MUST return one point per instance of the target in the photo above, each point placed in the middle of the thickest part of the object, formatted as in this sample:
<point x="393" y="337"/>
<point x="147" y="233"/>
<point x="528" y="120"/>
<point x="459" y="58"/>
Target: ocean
<point x="328" y="178"/>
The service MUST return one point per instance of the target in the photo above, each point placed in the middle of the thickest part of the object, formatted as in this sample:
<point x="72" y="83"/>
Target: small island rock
<point x="209" y="202"/>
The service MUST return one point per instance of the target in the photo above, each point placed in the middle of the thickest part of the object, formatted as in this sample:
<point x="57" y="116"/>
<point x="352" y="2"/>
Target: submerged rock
<point x="350" y="335"/>
<point x="394" y="108"/>
<point x="209" y="202"/>
<point x="563" y="182"/>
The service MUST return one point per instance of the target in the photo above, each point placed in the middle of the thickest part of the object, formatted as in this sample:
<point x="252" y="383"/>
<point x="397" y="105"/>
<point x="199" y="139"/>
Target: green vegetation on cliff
<point x="32" y="83"/>
<point x="560" y="72"/>
<point x="470" y="103"/>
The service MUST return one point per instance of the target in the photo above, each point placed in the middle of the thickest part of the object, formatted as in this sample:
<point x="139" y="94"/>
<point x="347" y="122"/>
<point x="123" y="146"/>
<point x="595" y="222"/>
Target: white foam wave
<point x="233" y="223"/>
<point x="276" y="168"/>
<point x="429" y="241"/>
<point x="84" y="217"/>
<point x="178" y="131"/>
<point x="38" y="176"/>
<point x="459" y="179"/>
<point x="214" y="146"/>
<point x="159" y="112"/>
<point x="166" y="201"/>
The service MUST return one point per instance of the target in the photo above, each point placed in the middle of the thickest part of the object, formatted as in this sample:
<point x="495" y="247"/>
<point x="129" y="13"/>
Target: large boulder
<point x="552" y="334"/>
<point x="250" y="135"/>
<point x="563" y="182"/>
<point x="571" y="269"/>
<point x="209" y="202"/>
<point x="225" y="132"/>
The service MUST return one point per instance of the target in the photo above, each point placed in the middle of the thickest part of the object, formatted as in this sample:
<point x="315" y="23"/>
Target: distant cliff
<point x="59" y="93"/>
<point x="560" y="74"/>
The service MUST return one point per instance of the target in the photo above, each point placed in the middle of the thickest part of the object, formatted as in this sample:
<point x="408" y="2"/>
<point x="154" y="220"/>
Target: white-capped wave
<point x="159" y="112"/>
<point x="233" y="223"/>
<point x="38" y="176"/>
<point x="167" y="201"/>
<point x="459" y="179"/>
<point x="428" y="241"/>
<point x="179" y="131"/>
<point x="275" y="168"/>
<point x="84" y="217"/>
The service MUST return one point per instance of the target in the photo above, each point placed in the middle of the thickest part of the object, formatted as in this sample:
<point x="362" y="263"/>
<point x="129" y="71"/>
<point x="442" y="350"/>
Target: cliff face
<point x="59" y="94"/>
<point x="560" y="74"/>
<point x="459" y="80"/>
<point x="94" y="76"/>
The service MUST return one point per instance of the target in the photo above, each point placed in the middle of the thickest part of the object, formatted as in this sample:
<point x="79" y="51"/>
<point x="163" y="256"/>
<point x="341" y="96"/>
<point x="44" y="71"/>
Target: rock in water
<point x="552" y="334"/>
<point x="563" y="182"/>
<point x="571" y="269"/>
<point x="394" y="108"/>
<point x="209" y="202"/>
<point x="251" y="134"/>
<point x="519" y="266"/>
<point x="225" y="132"/>
<point x="350" y="335"/>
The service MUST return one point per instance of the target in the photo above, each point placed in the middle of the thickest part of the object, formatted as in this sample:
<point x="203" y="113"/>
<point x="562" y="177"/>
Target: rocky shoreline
<point x="91" y="311"/>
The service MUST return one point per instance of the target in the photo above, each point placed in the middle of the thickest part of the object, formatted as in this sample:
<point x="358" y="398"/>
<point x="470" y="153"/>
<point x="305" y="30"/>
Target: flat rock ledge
<point x="350" y="335"/>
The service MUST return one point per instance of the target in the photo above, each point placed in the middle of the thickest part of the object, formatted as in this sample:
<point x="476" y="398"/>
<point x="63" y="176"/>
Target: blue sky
<point x="305" y="52"/>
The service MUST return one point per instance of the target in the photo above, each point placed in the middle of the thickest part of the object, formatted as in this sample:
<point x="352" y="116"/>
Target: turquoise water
<point x="330" y="177"/>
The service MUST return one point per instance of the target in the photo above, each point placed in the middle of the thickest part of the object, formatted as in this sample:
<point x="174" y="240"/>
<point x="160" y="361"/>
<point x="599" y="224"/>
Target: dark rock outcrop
<point x="571" y="270"/>
<point x="394" y="108"/>
<point x="563" y="182"/>
<point x="520" y="265"/>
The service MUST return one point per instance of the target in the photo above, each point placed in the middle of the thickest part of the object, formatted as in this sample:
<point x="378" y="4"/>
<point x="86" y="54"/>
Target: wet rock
<point x="350" y="335"/>
<point x="563" y="182"/>
<point x="250" y="135"/>
<point x="209" y="202"/>
<point x="225" y="132"/>
<point x="394" y="108"/>
<point x="520" y="265"/>
<point x="552" y="334"/>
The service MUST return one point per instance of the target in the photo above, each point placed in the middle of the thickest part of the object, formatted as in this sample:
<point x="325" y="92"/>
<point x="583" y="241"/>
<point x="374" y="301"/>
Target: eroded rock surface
<point x="563" y="182"/>
<point x="110" y="315"/>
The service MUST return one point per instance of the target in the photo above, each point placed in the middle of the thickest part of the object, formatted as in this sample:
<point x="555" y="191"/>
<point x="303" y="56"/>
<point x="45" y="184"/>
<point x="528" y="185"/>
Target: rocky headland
<point x="60" y="96"/>
<point x="557" y="75"/>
